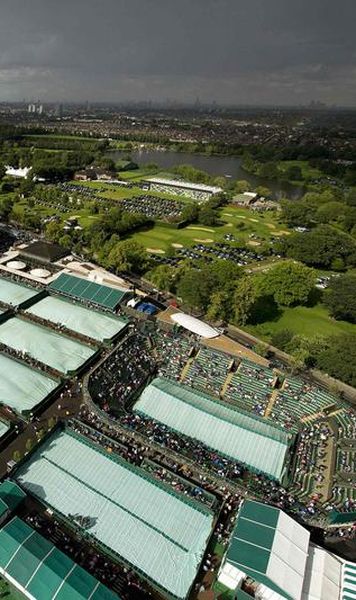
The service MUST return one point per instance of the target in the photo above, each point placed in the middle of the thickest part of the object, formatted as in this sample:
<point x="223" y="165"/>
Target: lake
<point x="228" y="166"/>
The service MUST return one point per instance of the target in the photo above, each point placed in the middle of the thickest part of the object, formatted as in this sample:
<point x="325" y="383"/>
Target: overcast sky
<point x="230" y="51"/>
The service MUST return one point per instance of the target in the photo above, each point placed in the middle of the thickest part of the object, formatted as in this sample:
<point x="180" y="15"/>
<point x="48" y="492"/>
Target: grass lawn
<point x="304" y="321"/>
<point x="262" y="226"/>
<point x="5" y="591"/>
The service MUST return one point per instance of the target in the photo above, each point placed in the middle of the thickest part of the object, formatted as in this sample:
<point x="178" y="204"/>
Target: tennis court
<point x="238" y="435"/>
<point x="52" y="349"/>
<point x="21" y="387"/>
<point x="14" y="293"/>
<point x="96" y="325"/>
<point x="160" y="532"/>
<point x="82" y="289"/>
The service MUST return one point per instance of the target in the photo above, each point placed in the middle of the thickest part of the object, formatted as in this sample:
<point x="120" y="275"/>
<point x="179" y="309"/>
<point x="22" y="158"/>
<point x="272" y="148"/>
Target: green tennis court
<point x="14" y="293"/>
<point x="21" y="387"/>
<point x="91" y="323"/>
<point x="45" y="345"/>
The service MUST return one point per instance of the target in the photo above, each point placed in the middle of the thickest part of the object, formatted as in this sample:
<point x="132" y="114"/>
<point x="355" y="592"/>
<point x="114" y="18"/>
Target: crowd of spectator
<point x="122" y="374"/>
<point x="119" y="578"/>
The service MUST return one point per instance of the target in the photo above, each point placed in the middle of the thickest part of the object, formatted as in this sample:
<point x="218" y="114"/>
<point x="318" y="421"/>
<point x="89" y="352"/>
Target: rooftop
<point x="77" y="287"/>
<point x="44" y="251"/>
<point x="270" y="547"/>
<point x="42" y="572"/>
<point x="198" y="187"/>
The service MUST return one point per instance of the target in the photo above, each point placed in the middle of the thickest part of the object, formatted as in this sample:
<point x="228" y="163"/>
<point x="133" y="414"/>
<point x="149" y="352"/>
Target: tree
<point x="330" y="211"/>
<point x="162" y="277"/>
<point x="269" y="170"/>
<point x="349" y="218"/>
<point x="306" y="350"/>
<point x="339" y="358"/>
<point x="241" y="186"/>
<point x="190" y="213"/>
<point x="243" y="301"/>
<point x="128" y="257"/>
<point x="297" y="214"/>
<point x="319" y="247"/>
<point x="31" y="220"/>
<point x="263" y="191"/>
<point x="194" y="287"/>
<point x="282" y="338"/>
<point x="2" y="172"/>
<point x="289" y="283"/>
<point x="220" y="181"/>
<point x="219" y="307"/>
<point x="294" y="173"/>
<point x="6" y="206"/>
<point x="208" y="216"/>
<point x="350" y="197"/>
<point x="340" y="298"/>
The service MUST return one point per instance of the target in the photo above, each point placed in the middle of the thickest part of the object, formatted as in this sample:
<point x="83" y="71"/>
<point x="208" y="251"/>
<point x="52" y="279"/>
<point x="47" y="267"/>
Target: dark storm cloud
<point x="228" y="50"/>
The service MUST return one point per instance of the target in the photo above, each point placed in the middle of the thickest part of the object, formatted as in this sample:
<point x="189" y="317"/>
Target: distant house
<point x="18" y="173"/>
<point x="85" y="175"/>
<point x="94" y="174"/>
<point x="126" y="165"/>
<point x="245" y="199"/>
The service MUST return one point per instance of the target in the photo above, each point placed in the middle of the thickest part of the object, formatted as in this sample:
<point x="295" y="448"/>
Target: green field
<point x="308" y="172"/>
<point x="302" y="320"/>
<point x="261" y="226"/>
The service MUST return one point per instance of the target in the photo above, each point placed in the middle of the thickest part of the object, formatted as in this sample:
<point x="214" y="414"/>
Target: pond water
<point x="228" y="166"/>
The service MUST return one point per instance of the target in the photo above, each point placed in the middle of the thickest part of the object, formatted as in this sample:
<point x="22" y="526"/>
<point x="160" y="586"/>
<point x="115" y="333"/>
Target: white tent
<point x="195" y="325"/>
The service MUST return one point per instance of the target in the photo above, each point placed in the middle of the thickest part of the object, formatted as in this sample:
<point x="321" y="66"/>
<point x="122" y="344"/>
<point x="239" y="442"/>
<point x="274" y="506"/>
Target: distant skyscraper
<point x="59" y="110"/>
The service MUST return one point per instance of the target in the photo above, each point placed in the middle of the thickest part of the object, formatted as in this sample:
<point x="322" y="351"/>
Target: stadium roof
<point x="158" y="531"/>
<point x="270" y="547"/>
<point x="198" y="187"/>
<point x="242" y="437"/>
<point x="76" y="287"/>
<point x="44" y="251"/>
<point x="42" y="572"/>
<point x="195" y="325"/>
